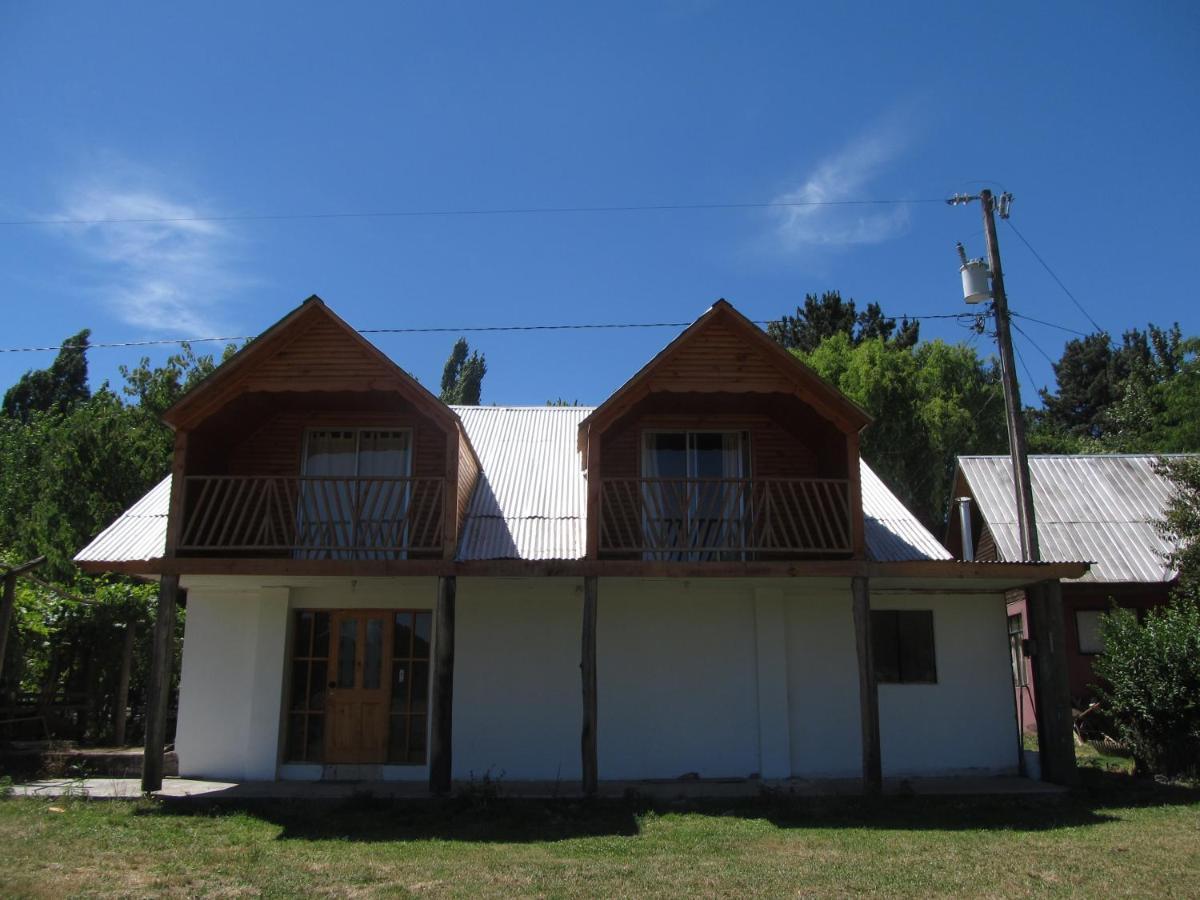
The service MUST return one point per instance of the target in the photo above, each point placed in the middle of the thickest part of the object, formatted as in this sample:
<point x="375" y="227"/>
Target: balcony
<point x="301" y="517"/>
<point x="724" y="518"/>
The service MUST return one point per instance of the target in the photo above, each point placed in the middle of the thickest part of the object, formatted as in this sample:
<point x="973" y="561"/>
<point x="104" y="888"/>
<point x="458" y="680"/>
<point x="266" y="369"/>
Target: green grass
<point x="1107" y="840"/>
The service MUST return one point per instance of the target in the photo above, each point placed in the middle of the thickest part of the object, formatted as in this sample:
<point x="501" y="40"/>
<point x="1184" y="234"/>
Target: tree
<point x="1150" y="684"/>
<point x="1181" y="522"/>
<point x="58" y="388"/>
<point x="829" y="314"/>
<point x="66" y="473"/>
<point x="1137" y="396"/>
<point x="462" y="377"/>
<point x="930" y="402"/>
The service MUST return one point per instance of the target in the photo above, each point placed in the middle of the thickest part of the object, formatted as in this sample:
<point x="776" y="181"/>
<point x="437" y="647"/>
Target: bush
<point x="1150" y="684"/>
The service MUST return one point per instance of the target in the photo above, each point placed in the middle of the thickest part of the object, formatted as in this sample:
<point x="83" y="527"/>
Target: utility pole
<point x="1026" y="519"/>
<point x="1043" y="607"/>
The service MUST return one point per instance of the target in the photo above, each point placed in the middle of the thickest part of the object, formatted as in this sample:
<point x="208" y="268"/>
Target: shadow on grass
<point x="497" y="819"/>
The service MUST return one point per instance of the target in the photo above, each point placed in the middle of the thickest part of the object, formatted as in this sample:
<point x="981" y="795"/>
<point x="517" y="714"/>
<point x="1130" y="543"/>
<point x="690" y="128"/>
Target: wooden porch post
<point x="159" y="686"/>
<point x="587" y="666"/>
<point x="868" y="689"/>
<point x="440" y="737"/>
<point x="1052" y="692"/>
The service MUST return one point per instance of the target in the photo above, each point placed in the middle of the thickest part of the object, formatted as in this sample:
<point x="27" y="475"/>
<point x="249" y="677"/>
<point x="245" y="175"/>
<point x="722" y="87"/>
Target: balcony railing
<point x="724" y="518"/>
<point x="368" y="517"/>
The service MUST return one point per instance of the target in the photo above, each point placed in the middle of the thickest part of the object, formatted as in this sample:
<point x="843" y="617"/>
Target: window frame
<point x="877" y="616"/>
<point x="1079" y="631"/>
<point x="687" y="552"/>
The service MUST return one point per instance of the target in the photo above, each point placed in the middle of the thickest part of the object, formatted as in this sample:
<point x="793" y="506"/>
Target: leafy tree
<point x="1150" y="684"/>
<point x="827" y="315"/>
<point x="1181" y="523"/>
<point x="65" y="474"/>
<point x="930" y="402"/>
<point x="1137" y="396"/>
<point x="58" y="388"/>
<point x="462" y="377"/>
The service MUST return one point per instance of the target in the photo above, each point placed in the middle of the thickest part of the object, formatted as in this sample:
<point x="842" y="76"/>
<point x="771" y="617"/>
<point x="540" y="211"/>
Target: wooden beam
<point x="175" y="508"/>
<point x="1052" y="693"/>
<point x="159" y="687"/>
<point x="442" y="719"/>
<point x="450" y="497"/>
<point x="8" y="599"/>
<point x="592" y="522"/>
<point x="858" y="535"/>
<point x="868" y="689"/>
<point x="587" y="667"/>
<point x="1015" y="575"/>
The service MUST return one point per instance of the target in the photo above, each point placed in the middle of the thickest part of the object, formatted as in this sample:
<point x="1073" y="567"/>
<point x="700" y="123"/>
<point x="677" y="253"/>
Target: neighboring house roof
<point x="1101" y="507"/>
<point x="531" y="499"/>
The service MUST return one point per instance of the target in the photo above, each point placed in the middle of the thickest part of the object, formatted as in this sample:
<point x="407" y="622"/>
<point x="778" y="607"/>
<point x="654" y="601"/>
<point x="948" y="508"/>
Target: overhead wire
<point x="1054" y="275"/>
<point x="432" y="330"/>
<point x="484" y="211"/>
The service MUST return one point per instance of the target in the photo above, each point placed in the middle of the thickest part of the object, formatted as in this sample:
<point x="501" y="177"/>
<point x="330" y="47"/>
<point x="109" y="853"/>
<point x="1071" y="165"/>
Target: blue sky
<point x="1086" y="112"/>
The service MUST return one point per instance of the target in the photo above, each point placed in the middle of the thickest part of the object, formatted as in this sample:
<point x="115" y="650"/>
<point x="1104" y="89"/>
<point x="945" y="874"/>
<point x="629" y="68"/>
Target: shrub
<point x="1150" y="684"/>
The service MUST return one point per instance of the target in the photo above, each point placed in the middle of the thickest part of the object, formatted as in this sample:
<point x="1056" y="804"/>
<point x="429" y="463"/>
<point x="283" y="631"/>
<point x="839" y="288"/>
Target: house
<point x="698" y="577"/>
<point x="1099" y="507"/>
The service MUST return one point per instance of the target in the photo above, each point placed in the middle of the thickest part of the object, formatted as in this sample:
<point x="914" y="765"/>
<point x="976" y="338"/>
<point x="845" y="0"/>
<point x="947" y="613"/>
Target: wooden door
<point x="359" y="687"/>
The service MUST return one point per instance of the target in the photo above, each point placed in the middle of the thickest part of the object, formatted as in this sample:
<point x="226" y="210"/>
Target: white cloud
<point x="846" y="175"/>
<point x="169" y="276"/>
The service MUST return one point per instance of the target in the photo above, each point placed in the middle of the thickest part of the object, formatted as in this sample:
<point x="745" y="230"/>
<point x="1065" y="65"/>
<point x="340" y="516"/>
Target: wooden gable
<point x="310" y="350"/>
<point x="725" y="352"/>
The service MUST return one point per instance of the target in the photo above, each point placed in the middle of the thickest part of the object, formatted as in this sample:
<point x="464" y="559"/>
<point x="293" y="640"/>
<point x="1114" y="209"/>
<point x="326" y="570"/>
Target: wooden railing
<point x="314" y="517"/>
<point x="724" y="518"/>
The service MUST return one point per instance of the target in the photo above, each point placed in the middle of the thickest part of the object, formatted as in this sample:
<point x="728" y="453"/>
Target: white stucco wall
<point x="721" y="678"/>
<point x="822" y="679"/>
<point x="676" y="679"/>
<point x="967" y="721"/>
<point x="231" y="684"/>
<point x="518" y="705"/>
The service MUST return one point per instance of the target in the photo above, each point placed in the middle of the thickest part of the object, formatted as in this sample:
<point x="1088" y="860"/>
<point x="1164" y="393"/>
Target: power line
<point x="1021" y="360"/>
<point x="497" y="211"/>
<point x="1034" y="343"/>
<point x="1046" y="266"/>
<point x="433" y="330"/>
<point x="1050" y="324"/>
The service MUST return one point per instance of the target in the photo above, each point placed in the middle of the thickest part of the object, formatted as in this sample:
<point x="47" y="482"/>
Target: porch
<point x="202" y="790"/>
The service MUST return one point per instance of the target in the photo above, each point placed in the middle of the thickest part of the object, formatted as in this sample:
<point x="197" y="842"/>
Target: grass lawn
<point x="1111" y="839"/>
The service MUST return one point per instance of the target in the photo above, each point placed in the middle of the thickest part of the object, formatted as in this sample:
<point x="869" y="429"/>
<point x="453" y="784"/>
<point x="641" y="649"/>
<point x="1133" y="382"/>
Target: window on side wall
<point x="1016" y="648"/>
<point x="1087" y="630"/>
<point x="903" y="646"/>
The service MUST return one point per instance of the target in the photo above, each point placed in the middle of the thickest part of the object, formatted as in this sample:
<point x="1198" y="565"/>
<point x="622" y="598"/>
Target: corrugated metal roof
<point x="532" y="503"/>
<point x="893" y="533"/>
<point x="531" y="499"/>
<point x="140" y="533"/>
<point x="1101" y="508"/>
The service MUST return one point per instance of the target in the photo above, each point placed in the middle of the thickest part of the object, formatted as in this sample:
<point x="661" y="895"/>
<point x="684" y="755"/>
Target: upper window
<point x="903" y="645"/>
<point x="356" y="496"/>
<point x="1087" y="629"/>
<point x="694" y="497"/>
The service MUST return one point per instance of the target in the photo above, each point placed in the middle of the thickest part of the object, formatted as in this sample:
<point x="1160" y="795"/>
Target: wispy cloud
<point x="846" y="175"/>
<point x="176" y="275"/>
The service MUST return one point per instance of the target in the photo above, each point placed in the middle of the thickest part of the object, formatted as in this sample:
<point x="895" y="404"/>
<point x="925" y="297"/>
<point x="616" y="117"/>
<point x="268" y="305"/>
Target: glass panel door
<point x="326" y="504"/>
<point x="382" y="501"/>
<point x="355" y="496"/>
<point x="694" y="494"/>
